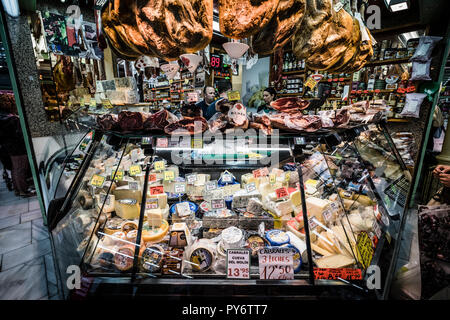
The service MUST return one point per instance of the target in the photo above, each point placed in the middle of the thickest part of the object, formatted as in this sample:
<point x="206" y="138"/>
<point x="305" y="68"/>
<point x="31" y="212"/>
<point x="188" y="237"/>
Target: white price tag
<point x="133" y="185"/>
<point x="312" y="223"/>
<point x="376" y="229"/>
<point x="218" y="204"/>
<point x="238" y="264"/>
<point x="151" y="203"/>
<point x="327" y="214"/>
<point x="180" y="188"/>
<point x="250" y="187"/>
<point x="338" y="6"/>
<point x="276" y="263"/>
<point x="227" y="178"/>
<point x="191" y="178"/>
<point x="211" y="185"/>
<point x="103" y="197"/>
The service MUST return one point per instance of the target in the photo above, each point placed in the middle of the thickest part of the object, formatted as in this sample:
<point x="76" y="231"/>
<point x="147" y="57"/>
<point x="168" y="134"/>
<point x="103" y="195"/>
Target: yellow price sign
<point x="159" y="165"/>
<point x="134" y="170"/>
<point x="107" y="104"/>
<point x="272" y="178"/>
<point x="119" y="175"/>
<point x="310" y="82"/>
<point x="287" y="176"/>
<point x="197" y="143"/>
<point x="82" y="102"/>
<point x="234" y="95"/>
<point x="93" y="103"/>
<point x="365" y="249"/>
<point x="169" y="175"/>
<point x="97" y="180"/>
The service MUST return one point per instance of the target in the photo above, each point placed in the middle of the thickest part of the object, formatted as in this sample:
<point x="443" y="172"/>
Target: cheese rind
<point x="316" y="206"/>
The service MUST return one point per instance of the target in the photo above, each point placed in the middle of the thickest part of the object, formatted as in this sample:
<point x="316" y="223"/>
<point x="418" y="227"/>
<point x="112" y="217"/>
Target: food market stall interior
<point x="159" y="212"/>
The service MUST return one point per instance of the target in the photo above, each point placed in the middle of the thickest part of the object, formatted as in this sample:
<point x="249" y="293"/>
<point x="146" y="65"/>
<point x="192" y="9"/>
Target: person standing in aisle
<point x="12" y="142"/>
<point x="209" y="96"/>
<point x="223" y="88"/>
<point x="269" y="95"/>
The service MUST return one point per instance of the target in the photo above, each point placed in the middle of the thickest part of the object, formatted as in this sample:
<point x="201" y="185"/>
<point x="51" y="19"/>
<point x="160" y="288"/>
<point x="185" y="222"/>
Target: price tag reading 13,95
<point x="238" y="264"/>
<point x="276" y="263"/>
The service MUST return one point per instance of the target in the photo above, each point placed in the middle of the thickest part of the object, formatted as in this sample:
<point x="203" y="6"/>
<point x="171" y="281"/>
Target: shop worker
<point x="209" y="95"/>
<point x="269" y="95"/>
<point x="223" y="88"/>
<point x="442" y="172"/>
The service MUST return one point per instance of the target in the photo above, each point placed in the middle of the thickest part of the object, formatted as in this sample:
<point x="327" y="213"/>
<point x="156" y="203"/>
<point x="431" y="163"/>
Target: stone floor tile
<point x="15" y="237"/>
<point x="12" y="208"/>
<point x="9" y="222"/>
<point x="27" y="253"/>
<point x="24" y="282"/>
<point x="33" y="204"/>
<point x="38" y="230"/>
<point x="28" y="216"/>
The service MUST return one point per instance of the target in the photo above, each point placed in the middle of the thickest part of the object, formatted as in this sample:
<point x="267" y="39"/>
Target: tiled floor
<point x="26" y="263"/>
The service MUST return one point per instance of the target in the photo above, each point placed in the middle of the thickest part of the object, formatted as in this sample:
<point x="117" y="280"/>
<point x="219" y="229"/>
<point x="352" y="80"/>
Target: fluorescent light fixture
<point x="397" y="5"/>
<point x="11" y="7"/>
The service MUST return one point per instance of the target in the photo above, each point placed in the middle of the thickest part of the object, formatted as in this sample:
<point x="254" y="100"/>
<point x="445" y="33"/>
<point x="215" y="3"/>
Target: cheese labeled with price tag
<point x="161" y="199"/>
<point x="151" y="203"/>
<point x="108" y="200"/>
<point x="127" y="208"/>
<point x="124" y="192"/>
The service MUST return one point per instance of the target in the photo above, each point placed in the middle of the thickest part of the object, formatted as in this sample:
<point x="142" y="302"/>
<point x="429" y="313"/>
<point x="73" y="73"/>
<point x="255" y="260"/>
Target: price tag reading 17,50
<point x="238" y="264"/>
<point x="276" y="263"/>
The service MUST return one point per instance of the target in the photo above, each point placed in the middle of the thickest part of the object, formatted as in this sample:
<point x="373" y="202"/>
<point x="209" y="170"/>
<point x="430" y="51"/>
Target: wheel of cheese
<point x="254" y="243"/>
<point x="155" y="235"/>
<point x="123" y="258"/>
<point x="128" y="226"/>
<point x="232" y="238"/>
<point x="202" y="254"/>
<point x="150" y="258"/>
<point x="297" y="257"/>
<point x="113" y="225"/>
<point x="277" y="237"/>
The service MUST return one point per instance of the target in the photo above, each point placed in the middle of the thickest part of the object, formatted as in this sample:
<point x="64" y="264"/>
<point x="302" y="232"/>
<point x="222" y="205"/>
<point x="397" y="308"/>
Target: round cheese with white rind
<point x="232" y="238"/>
<point x="277" y="237"/>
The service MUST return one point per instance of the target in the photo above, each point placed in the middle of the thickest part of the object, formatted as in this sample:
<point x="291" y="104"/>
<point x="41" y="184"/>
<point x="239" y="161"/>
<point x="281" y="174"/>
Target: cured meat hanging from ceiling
<point x="162" y="28"/>
<point x="280" y="29"/>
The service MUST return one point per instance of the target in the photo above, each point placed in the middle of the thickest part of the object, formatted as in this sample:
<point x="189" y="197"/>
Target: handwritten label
<point x="119" y="175"/>
<point x="227" y="177"/>
<point x="191" y="178"/>
<point x="276" y="263"/>
<point x="169" y="175"/>
<point x="234" y="95"/>
<point x="151" y="203"/>
<point x="310" y="83"/>
<point x="238" y="264"/>
<point x="159" y="165"/>
<point x="211" y="185"/>
<point x="133" y="185"/>
<point x="335" y="274"/>
<point x="218" y="204"/>
<point x="180" y="187"/>
<point x="97" y="180"/>
<point x="281" y="193"/>
<point x="134" y="170"/>
<point x="197" y="143"/>
<point x="272" y="178"/>
<point x="156" y="190"/>
<point x="162" y="143"/>
<point x="107" y="104"/>
<point x="287" y="176"/>
<point x="250" y="187"/>
<point x="152" y="177"/>
<point x="365" y="249"/>
<point x="192" y="97"/>
<point x="312" y="223"/>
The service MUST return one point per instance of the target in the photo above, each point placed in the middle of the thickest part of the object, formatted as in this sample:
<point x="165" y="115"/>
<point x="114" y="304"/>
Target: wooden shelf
<point x="397" y="120"/>
<point x="293" y="72"/>
<point x="385" y="62"/>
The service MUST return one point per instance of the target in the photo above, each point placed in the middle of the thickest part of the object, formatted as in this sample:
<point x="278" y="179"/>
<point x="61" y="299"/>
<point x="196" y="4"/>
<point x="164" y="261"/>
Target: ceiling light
<point x="397" y="5"/>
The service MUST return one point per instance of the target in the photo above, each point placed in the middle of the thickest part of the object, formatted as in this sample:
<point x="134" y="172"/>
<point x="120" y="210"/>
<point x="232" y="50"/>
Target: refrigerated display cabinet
<point x="149" y="215"/>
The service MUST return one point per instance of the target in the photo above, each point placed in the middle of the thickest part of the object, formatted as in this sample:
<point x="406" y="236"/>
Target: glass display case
<point x="170" y="213"/>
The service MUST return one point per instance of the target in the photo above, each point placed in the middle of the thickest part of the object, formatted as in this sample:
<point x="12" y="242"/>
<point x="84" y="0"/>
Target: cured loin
<point x="187" y="126"/>
<point x="304" y="123"/>
<point x="240" y="19"/>
<point x="131" y="121"/>
<point x="314" y="28"/>
<point x="289" y="105"/>
<point x="280" y="28"/>
<point x="108" y="122"/>
<point x="159" y="120"/>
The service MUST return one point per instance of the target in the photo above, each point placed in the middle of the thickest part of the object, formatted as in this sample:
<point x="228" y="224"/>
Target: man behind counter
<point x="209" y="95"/>
<point x="223" y="88"/>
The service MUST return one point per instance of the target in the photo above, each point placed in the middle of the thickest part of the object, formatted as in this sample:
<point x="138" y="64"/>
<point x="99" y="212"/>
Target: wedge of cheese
<point x="107" y="207"/>
<point x="127" y="208"/>
<point x="124" y="192"/>
<point x="316" y="206"/>
<point x="335" y="261"/>
<point x="162" y="199"/>
<point x="296" y="198"/>
<point x="154" y="217"/>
